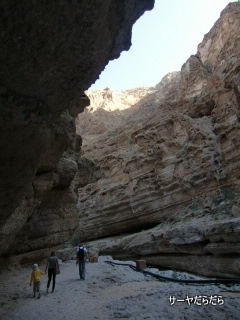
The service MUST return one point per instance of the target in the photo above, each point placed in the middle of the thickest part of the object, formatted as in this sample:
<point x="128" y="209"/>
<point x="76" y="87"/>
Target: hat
<point x="35" y="266"/>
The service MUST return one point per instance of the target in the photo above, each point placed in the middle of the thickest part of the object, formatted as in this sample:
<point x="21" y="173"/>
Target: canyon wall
<point x="51" y="51"/>
<point x="167" y="159"/>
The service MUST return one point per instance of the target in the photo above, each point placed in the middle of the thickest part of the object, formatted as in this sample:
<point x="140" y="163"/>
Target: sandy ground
<point x="113" y="293"/>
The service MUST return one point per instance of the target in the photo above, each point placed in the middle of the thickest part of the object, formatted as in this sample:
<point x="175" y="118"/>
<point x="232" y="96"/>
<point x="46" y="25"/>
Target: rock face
<point x="108" y="110"/>
<point x="170" y="157"/>
<point x="50" y="53"/>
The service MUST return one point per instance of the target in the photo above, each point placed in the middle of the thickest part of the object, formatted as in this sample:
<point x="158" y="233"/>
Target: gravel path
<point x="113" y="293"/>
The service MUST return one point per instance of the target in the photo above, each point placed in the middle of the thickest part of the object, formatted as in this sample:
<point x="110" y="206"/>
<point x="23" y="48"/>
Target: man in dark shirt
<point x="52" y="266"/>
<point x="81" y="257"/>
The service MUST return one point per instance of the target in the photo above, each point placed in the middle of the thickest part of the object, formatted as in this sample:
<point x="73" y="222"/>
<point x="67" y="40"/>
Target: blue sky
<point x="162" y="40"/>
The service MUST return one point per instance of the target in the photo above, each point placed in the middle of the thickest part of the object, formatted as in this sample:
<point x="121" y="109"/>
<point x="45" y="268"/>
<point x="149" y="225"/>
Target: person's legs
<point x="80" y="269"/>
<point x="50" y="273"/>
<point x="83" y="270"/>
<point x="38" y="288"/>
<point x="34" y="289"/>
<point x="54" y="277"/>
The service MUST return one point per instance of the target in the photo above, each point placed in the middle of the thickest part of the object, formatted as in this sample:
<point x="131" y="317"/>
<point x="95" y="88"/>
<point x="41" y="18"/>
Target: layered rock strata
<point x="51" y="51"/>
<point x="171" y="158"/>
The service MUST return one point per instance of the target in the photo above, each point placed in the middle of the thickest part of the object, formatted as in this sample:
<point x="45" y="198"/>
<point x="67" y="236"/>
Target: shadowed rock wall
<point x="51" y="51"/>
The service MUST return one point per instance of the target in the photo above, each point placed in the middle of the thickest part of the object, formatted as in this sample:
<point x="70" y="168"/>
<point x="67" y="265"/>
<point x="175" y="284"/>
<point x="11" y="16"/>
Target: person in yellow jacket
<point x="35" y="279"/>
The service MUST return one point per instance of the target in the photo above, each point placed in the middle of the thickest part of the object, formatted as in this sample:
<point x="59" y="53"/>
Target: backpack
<point x="81" y="253"/>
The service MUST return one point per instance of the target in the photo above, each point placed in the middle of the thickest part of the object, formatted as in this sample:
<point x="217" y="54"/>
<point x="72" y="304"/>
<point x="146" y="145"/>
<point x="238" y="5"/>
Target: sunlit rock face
<point x="170" y="157"/>
<point x="51" y="51"/>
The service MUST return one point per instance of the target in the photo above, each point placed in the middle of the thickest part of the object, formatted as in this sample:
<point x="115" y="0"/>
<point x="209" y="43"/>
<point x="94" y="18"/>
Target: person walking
<point x="81" y="257"/>
<point x="35" y="279"/>
<point x="53" y="269"/>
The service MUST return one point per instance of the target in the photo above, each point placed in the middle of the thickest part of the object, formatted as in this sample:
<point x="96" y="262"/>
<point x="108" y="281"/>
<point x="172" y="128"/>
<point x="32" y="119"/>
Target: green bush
<point x="75" y="240"/>
<point x="113" y="133"/>
<point x="228" y="193"/>
<point x="193" y="99"/>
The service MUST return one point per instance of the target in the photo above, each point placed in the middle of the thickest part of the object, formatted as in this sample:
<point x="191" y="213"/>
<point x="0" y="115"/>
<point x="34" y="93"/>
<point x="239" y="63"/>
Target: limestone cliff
<point x="51" y="51"/>
<point x="168" y="162"/>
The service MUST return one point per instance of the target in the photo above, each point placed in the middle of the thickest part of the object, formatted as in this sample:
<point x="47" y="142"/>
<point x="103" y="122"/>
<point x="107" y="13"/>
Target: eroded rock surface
<point x="170" y="157"/>
<point x="51" y="51"/>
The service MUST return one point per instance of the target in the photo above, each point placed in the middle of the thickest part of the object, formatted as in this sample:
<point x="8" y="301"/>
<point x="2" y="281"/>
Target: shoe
<point x="38" y="297"/>
<point x="47" y="290"/>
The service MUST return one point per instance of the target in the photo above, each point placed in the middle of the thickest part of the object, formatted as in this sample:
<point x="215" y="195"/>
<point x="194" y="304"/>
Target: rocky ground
<point x="114" y="292"/>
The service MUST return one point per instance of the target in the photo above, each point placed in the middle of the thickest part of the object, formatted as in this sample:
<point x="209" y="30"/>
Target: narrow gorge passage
<point x="148" y="173"/>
